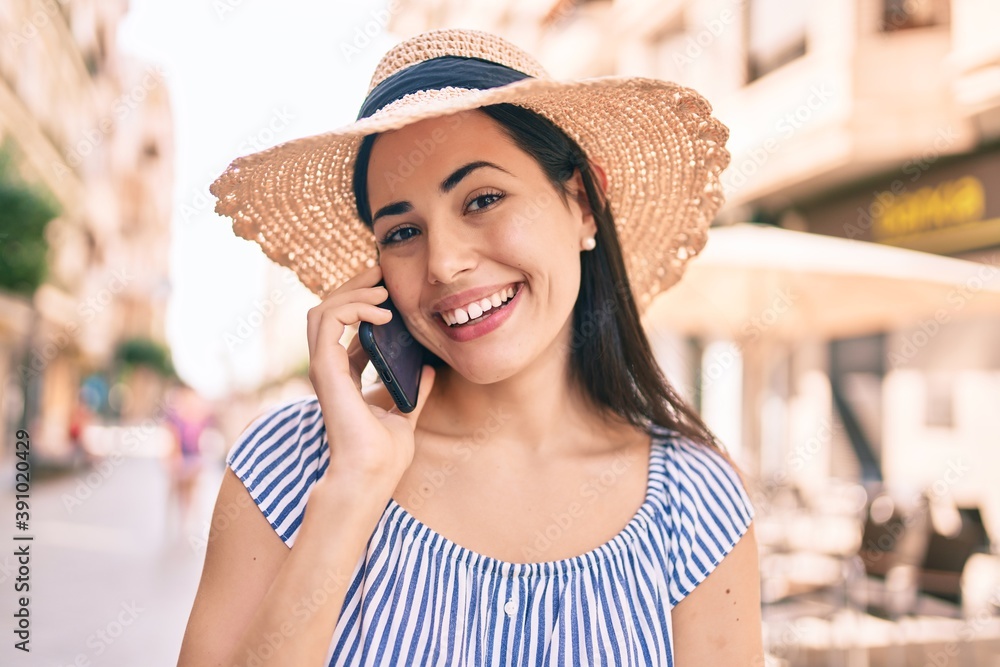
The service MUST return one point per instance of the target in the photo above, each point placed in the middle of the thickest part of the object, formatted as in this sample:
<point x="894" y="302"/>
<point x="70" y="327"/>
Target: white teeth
<point x="477" y="308"/>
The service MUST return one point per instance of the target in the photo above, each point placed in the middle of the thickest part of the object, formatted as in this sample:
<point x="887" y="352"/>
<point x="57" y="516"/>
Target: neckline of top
<point x="616" y="545"/>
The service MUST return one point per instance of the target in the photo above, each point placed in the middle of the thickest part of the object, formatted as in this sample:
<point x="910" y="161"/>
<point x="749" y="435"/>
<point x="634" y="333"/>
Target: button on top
<point x="510" y="607"/>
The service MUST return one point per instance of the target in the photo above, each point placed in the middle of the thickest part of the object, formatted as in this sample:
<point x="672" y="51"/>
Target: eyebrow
<point x="447" y="185"/>
<point x="394" y="208"/>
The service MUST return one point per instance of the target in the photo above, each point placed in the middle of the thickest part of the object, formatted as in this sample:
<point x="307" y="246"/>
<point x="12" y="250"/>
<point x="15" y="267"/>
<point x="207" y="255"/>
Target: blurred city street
<point x="112" y="575"/>
<point x="838" y="333"/>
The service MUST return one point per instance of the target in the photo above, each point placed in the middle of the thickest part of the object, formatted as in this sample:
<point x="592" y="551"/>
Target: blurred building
<point x="93" y="129"/>
<point x="869" y="119"/>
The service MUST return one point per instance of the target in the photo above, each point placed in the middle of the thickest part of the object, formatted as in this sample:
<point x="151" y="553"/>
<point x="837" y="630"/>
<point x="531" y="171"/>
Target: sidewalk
<point x="112" y="579"/>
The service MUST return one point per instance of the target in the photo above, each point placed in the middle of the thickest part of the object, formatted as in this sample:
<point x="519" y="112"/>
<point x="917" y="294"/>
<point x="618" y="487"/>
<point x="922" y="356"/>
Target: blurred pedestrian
<point x="79" y="419"/>
<point x="187" y="418"/>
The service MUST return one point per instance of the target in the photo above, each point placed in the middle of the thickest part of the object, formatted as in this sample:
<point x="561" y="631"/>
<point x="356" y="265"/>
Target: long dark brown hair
<point x="610" y="354"/>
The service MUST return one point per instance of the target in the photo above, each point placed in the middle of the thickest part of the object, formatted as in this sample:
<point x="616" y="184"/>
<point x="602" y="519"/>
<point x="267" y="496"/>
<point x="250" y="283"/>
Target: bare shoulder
<point x="242" y="558"/>
<point x="719" y="622"/>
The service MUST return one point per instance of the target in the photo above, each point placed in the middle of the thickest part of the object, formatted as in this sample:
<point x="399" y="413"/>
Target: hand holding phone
<point x="370" y="447"/>
<point x="396" y="355"/>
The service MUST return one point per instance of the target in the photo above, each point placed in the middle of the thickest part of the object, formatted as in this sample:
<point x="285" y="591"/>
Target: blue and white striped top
<point x="417" y="598"/>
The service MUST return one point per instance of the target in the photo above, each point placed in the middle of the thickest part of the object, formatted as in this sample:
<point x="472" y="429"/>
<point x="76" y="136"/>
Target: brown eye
<point x="398" y="235"/>
<point x="484" y="201"/>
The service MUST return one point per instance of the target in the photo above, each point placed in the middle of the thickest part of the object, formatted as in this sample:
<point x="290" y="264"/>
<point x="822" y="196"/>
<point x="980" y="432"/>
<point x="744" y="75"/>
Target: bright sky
<point x="243" y="75"/>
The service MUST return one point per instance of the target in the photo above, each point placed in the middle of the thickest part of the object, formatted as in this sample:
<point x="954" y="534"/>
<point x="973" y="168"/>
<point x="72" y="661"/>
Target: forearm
<point x="295" y="621"/>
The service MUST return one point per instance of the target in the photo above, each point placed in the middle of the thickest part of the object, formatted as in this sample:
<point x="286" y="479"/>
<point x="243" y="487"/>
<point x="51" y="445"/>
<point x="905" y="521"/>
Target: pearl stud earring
<point x="589" y="243"/>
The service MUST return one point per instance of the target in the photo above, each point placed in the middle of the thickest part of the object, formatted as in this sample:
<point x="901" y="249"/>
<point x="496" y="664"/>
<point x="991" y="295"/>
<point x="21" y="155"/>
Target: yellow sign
<point x="947" y="205"/>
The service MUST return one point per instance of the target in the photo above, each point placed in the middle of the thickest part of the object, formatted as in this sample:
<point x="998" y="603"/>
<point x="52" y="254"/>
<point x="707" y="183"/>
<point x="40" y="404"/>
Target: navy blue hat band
<point x="437" y="73"/>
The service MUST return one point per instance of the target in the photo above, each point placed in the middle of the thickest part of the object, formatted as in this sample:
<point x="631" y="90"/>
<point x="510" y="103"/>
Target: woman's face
<point x="461" y="216"/>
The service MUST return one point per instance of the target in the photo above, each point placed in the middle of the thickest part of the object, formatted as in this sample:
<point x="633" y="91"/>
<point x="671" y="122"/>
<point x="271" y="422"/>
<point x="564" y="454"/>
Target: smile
<point x="475" y="319"/>
<point x="476" y="309"/>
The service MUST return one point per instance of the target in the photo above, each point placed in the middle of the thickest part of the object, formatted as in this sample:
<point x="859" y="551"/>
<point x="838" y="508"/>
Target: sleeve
<point x="709" y="510"/>
<point x="279" y="457"/>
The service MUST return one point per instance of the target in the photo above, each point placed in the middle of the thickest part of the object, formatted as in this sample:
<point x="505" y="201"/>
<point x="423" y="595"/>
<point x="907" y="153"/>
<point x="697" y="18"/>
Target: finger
<point x="357" y="358"/>
<point x="346" y="314"/>
<point x="366" y="278"/>
<point x="330" y="324"/>
<point x="350" y="314"/>
<point x="354" y="348"/>
<point x="371" y="295"/>
<point x="340" y="399"/>
<point x="376" y="295"/>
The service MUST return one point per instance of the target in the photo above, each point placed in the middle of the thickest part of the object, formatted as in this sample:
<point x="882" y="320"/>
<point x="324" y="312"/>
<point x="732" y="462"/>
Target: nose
<point x="449" y="253"/>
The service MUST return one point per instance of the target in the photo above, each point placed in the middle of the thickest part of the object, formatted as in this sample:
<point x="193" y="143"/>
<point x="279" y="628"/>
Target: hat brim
<point x="656" y="141"/>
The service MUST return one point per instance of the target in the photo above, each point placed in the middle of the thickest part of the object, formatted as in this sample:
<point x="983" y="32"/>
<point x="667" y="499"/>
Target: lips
<point x="476" y="309"/>
<point x="464" y="298"/>
<point x="485" y="324"/>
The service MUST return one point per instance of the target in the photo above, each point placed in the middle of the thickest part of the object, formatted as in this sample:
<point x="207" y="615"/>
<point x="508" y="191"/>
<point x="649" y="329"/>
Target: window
<point x="907" y="14"/>
<point x="776" y="34"/>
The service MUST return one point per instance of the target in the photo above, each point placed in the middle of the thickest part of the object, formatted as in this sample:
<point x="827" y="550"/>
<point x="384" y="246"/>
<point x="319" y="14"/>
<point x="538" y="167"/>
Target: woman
<point x="550" y="500"/>
<point x="187" y="417"/>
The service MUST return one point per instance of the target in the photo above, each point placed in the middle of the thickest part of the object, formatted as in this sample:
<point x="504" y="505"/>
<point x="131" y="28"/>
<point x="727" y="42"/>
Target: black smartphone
<point x="396" y="355"/>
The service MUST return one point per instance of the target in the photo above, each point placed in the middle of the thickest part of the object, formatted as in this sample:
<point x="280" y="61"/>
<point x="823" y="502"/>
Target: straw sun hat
<point x="657" y="143"/>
